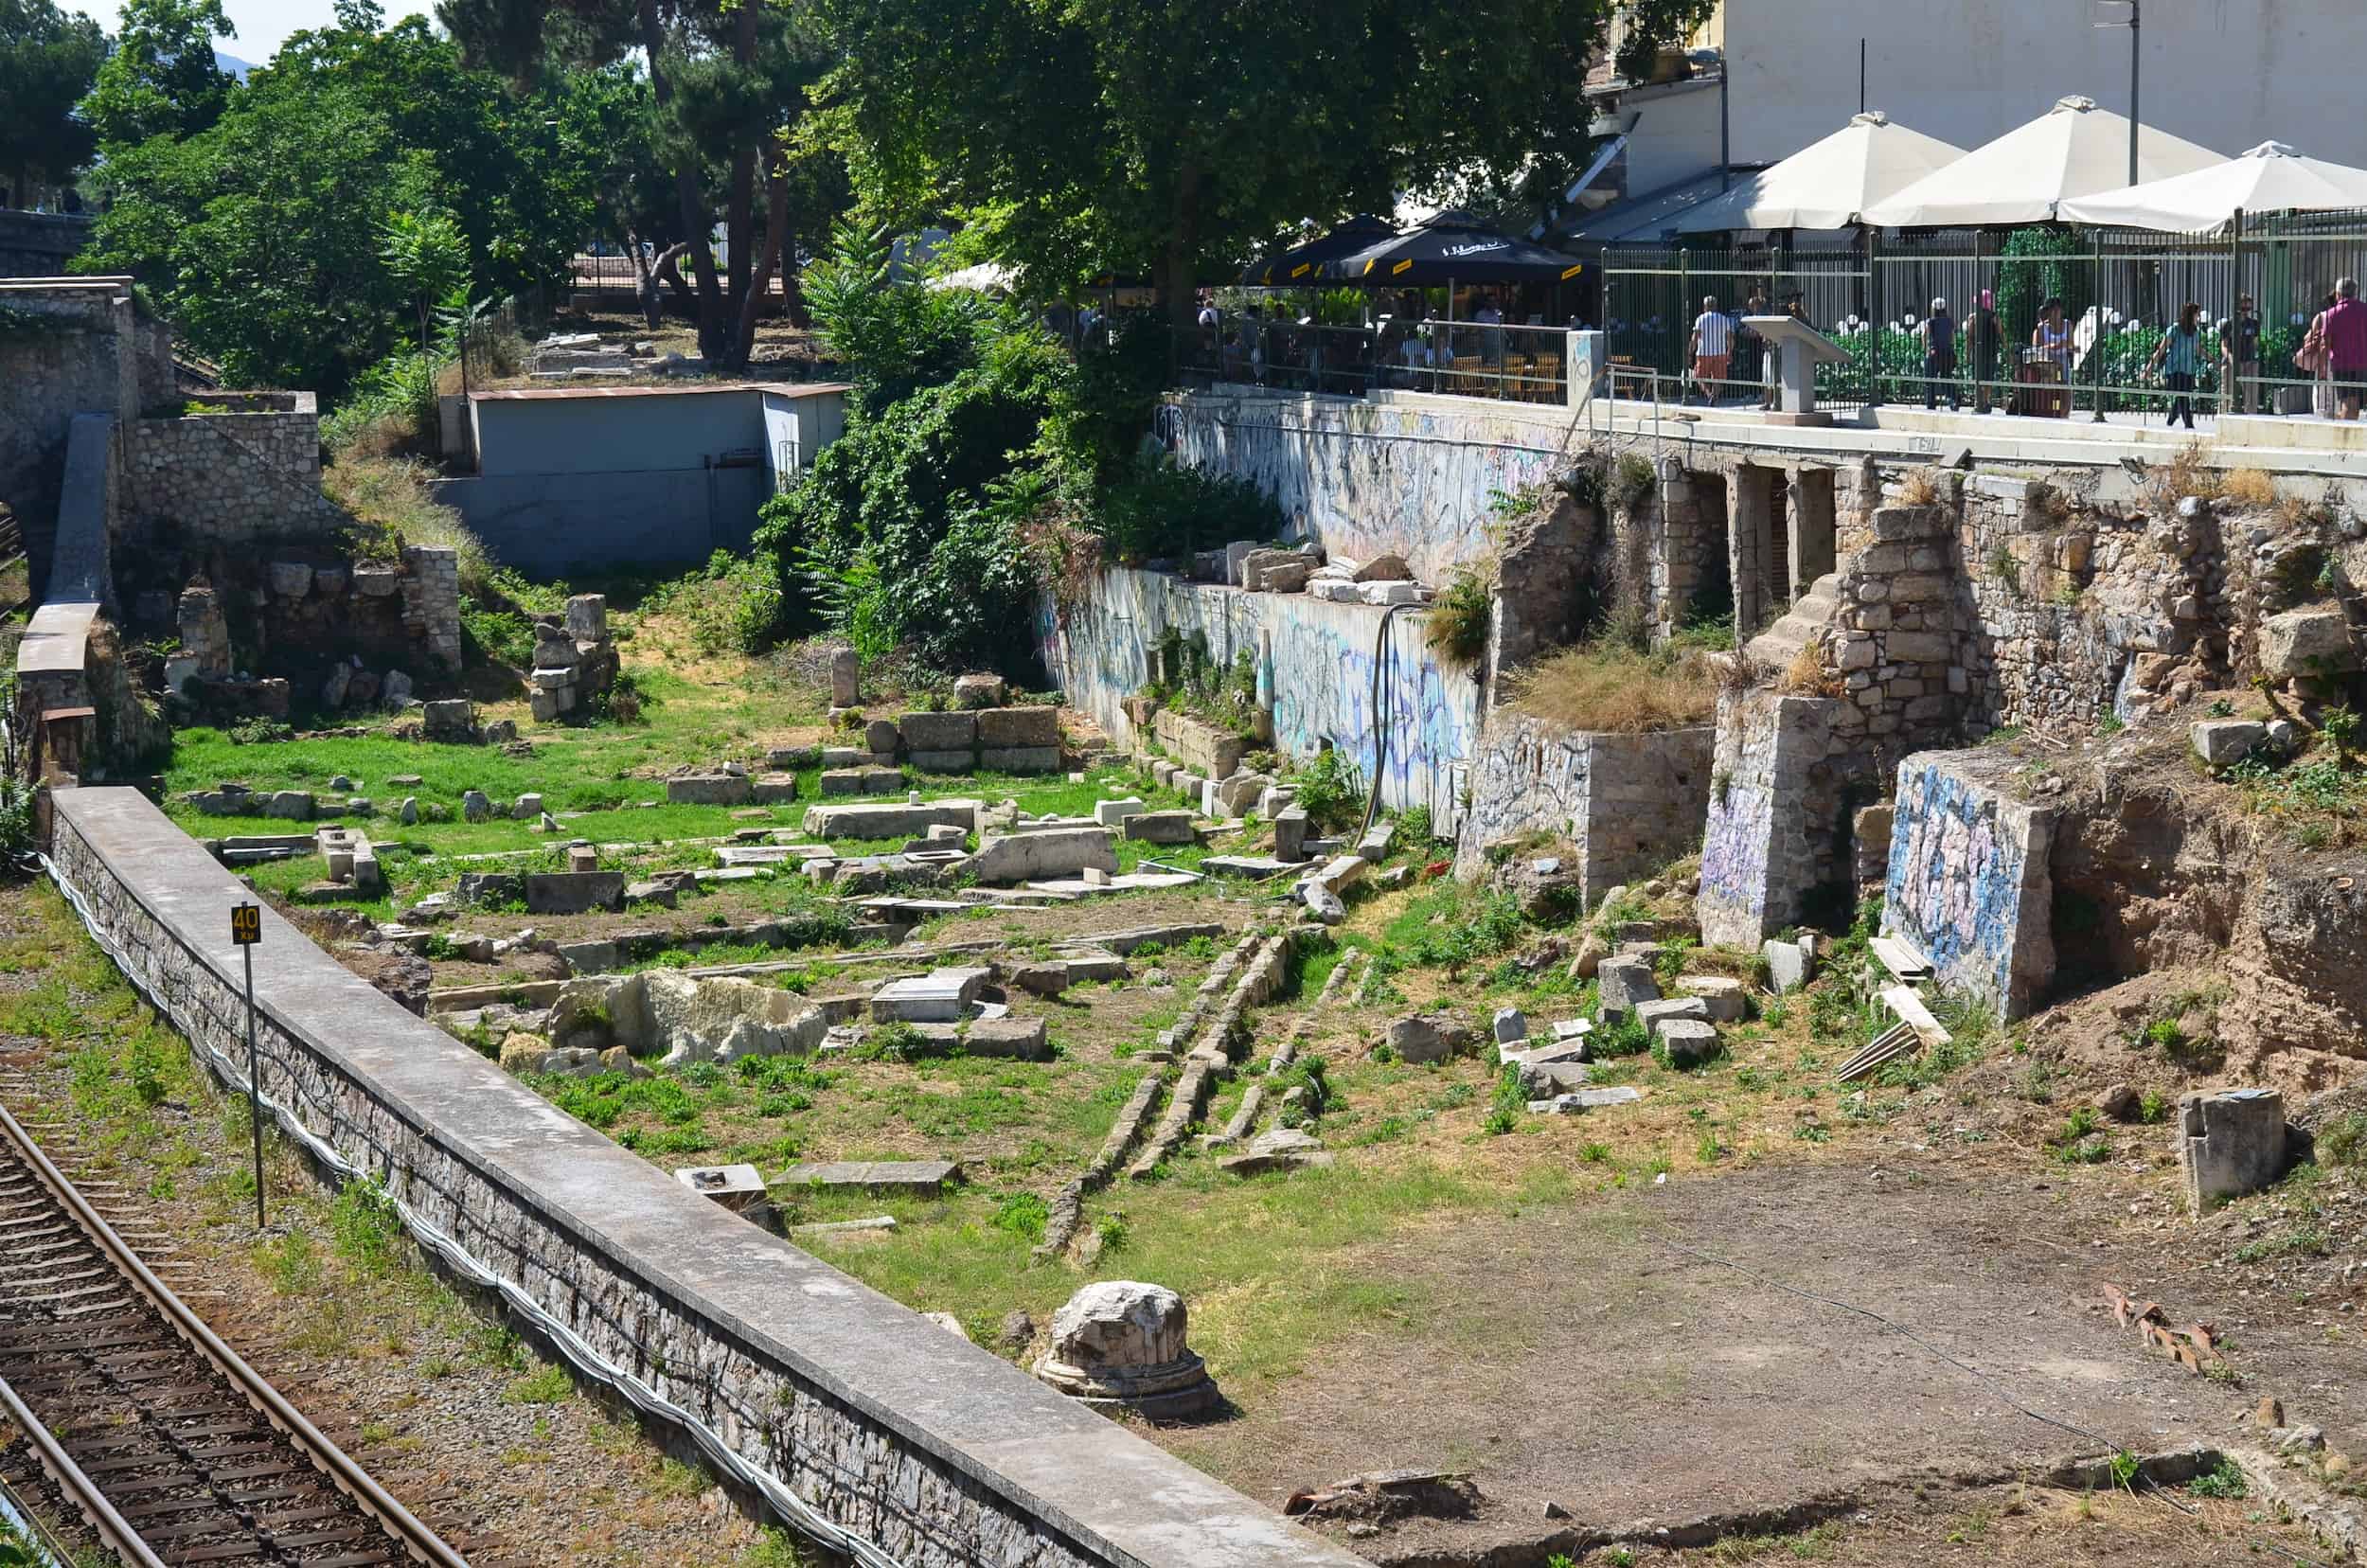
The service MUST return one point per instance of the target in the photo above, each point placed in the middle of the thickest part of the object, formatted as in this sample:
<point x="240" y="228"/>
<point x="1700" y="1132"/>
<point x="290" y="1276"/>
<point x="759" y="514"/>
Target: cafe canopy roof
<point x="1454" y="247"/>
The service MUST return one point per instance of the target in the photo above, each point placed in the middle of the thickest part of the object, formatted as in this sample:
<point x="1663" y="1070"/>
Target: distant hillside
<point x="231" y="64"/>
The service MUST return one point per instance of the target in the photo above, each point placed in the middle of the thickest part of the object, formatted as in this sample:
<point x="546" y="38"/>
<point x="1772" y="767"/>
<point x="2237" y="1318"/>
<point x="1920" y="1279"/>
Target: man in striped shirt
<point x="1711" y="349"/>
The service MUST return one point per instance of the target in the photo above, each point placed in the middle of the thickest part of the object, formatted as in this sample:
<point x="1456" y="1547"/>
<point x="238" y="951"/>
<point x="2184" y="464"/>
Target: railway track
<point x="174" y="1451"/>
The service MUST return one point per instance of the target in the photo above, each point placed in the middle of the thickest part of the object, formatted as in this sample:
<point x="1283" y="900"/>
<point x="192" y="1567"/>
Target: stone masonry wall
<point x="81" y="364"/>
<point x="936" y="1451"/>
<point x="1775" y="816"/>
<point x="229" y="479"/>
<point x="1629" y="804"/>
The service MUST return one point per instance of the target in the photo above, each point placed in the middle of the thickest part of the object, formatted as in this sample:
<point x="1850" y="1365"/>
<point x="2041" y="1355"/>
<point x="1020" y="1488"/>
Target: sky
<point x="263" y="24"/>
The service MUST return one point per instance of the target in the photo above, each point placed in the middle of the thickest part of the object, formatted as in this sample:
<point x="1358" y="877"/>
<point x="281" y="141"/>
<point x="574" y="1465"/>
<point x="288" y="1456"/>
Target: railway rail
<point x="172" y="1449"/>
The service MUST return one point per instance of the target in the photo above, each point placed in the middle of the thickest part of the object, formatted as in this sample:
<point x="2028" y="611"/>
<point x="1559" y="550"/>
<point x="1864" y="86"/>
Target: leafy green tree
<point x="428" y="258"/>
<point x="727" y="85"/>
<point x="48" y="59"/>
<point x="161" y="80"/>
<point x="1167" y="136"/>
<point x="262" y="234"/>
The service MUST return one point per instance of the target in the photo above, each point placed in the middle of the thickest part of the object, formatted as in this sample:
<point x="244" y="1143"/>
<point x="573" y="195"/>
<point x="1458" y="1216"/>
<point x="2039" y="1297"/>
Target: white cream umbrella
<point x="985" y="276"/>
<point x="1827" y="184"/>
<point x="2270" y="178"/>
<point x="2073" y="150"/>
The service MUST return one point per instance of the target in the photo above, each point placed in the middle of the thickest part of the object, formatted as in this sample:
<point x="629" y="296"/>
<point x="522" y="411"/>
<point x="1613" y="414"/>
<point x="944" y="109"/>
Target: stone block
<point x="489" y="888"/>
<point x="714" y="788"/>
<point x="1512" y="1026"/>
<point x="1391" y="592"/>
<point x="849" y="757"/>
<point x="777" y="788"/>
<point x="1621" y="983"/>
<point x="878" y="736"/>
<point x="574" y="892"/>
<point x="938" y="732"/>
<point x="941" y="996"/>
<point x="889" y="819"/>
<point x="1420" y="1039"/>
<point x="1021" y="1038"/>
<point x="942" y="761"/>
<point x="1385" y="568"/>
<point x="844" y="781"/>
<point x="1790" y="966"/>
<point x="1290" y="834"/>
<point x="1008" y="727"/>
<point x="1163" y="827"/>
<point x="450" y="718"/>
<point x="2314" y="640"/>
<point x="1655" y="1016"/>
<point x="2230" y="1143"/>
<point x="1726" y="998"/>
<point x="2221" y="743"/>
<point x="294" y="805"/>
<point x="1020" y="760"/>
<point x="1237" y="795"/>
<point x="845" y="677"/>
<point x="664" y="895"/>
<point x="1110" y="814"/>
<point x="1336" y="591"/>
<point x="1054" y="852"/>
<point x="289" y="579"/>
<point x="1689" y="1041"/>
<point x="1285" y="577"/>
<point x="918" y="1177"/>
<point x="978" y="691"/>
<point x="590" y="958"/>
<point x="528" y="808"/>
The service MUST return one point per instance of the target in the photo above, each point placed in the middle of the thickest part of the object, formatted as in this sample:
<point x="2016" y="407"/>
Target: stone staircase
<point x="1775" y="647"/>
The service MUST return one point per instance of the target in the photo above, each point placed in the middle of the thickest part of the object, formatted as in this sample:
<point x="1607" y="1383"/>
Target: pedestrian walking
<point x="1938" y="333"/>
<point x="2177" y="356"/>
<point x="2313" y="360"/>
<point x="1710" y="349"/>
<point x="2346" y="347"/>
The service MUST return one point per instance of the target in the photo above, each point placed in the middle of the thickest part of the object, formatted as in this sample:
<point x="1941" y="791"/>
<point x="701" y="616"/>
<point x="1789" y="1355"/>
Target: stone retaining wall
<point x="1969" y="883"/>
<point x="1629" y="804"/>
<point x="230" y="478"/>
<point x="936" y="1451"/>
<point x="1324" y="658"/>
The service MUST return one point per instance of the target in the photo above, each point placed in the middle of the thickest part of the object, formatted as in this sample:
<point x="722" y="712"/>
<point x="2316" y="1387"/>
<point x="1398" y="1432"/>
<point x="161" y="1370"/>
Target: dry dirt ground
<point x="1655" y="1359"/>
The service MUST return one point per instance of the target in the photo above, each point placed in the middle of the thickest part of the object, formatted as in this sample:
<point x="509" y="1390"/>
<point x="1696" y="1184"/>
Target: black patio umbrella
<point x="1303" y="265"/>
<point x="1454" y="247"/>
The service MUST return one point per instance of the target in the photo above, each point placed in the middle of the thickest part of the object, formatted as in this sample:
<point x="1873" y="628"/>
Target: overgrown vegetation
<point x="1609" y="684"/>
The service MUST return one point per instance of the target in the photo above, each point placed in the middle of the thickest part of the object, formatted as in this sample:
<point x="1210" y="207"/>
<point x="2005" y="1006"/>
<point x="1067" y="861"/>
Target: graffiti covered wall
<point x="1970" y="886"/>
<point x="1325" y="659"/>
<point x="1404" y="473"/>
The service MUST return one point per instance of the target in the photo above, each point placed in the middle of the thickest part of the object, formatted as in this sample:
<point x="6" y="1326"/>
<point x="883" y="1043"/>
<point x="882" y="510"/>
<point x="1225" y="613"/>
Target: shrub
<point x="1458" y="620"/>
<point x="1329" y="791"/>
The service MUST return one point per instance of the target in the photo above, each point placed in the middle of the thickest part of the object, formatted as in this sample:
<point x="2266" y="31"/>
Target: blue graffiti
<point x="1956" y="881"/>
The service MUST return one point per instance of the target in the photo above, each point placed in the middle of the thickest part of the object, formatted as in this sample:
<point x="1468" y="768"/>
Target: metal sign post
<point x="246" y="929"/>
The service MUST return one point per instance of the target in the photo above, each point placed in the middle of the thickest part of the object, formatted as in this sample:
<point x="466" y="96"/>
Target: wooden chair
<point x="1465" y="377"/>
<point x="1545" y="385"/>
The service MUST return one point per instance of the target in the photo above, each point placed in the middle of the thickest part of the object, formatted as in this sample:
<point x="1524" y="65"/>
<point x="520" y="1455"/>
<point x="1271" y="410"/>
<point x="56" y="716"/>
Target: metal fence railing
<point x="2099" y="354"/>
<point x="1510" y="362"/>
<point x="1652" y="298"/>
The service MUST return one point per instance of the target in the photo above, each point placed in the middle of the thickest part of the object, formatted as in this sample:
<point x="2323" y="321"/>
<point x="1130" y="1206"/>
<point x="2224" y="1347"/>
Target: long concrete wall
<point x="935" y="1451"/>
<point x="1404" y="473"/>
<point x="1325" y="656"/>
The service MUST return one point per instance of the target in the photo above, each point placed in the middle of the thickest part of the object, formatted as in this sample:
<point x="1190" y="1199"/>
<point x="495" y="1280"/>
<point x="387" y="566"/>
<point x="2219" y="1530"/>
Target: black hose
<point x="1382" y="655"/>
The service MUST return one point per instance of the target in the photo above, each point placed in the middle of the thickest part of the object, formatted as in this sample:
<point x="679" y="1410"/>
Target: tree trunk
<point x="1179" y="262"/>
<point x="668" y="271"/>
<point x="739" y="209"/>
<point x="696" y="222"/>
<point x="752" y="299"/>
<point x="644" y="284"/>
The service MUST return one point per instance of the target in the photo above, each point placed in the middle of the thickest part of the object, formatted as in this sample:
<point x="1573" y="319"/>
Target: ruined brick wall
<point x="933" y="1449"/>
<point x="1629" y="804"/>
<point x="69" y="352"/>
